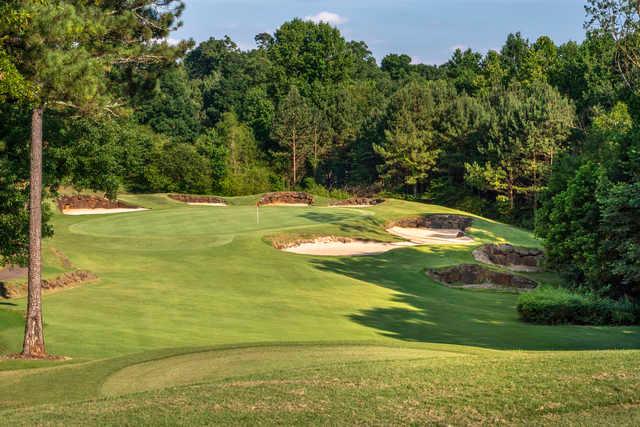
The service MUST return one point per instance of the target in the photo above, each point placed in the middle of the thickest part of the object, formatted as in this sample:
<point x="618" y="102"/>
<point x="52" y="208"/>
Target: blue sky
<point x="427" y="30"/>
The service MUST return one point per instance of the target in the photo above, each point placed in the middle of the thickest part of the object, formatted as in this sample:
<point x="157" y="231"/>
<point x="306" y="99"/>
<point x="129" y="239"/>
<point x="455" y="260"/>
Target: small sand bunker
<point x="473" y="276"/>
<point x="199" y="200"/>
<point x="67" y="280"/>
<point x="286" y="198"/>
<point x="93" y="205"/>
<point x="513" y="257"/>
<point x="433" y="229"/>
<point x="341" y="246"/>
<point x="356" y="202"/>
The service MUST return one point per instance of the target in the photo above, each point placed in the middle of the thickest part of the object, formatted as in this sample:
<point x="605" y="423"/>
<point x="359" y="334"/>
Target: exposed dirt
<point x="47" y="357"/>
<point x="67" y="280"/>
<point x="338" y="246"/>
<point x="91" y="202"/>
<point x="292" y="198"/>
<point x="357" y="202"/>
<point x="12" y="272"/>
<point x="513" y="257"/>
<point x="436" y="222"/>
<point x="476" y="276"/>
<point x="199" y="200"/>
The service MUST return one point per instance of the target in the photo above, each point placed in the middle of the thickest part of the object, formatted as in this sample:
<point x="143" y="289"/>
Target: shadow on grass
<point x="346" y="221"/>
<point x="424" y="311"/>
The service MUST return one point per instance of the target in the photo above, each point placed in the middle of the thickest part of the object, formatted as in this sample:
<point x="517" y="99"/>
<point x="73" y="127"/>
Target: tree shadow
<point x="424" y="311"/>
<point x="346" y="222"/>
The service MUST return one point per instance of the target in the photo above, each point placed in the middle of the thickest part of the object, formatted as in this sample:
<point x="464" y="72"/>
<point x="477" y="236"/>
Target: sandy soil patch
<point x="299" y="205"/>
<point x="11" y="273"/>
<point x="351" y="206"/>
<point x="100" y="211"/>
<point x="207" y="204"/>
<point x="67" y="280"/>
<point x="333" y="246"/>
<point x="429" y="236"/>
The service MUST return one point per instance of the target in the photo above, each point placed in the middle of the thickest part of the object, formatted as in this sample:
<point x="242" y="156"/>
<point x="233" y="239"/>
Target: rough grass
<point x="179" y="278"/>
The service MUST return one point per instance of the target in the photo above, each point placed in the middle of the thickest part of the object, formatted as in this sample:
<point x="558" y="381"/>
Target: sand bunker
<point x="436" y="229"/>
<point x="512" y="257"/>
<point x="337" y="246"/>
<point x="356" y="202"/>
<point x="93" y="205"/>
<point x="100" y="211"/>
<point x="286" y="198"/>
<point x="473" y="276"/>
<point x="198" y="200"/>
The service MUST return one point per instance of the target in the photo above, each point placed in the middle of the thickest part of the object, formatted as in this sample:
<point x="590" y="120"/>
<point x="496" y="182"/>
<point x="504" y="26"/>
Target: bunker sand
<point x="100" y="211"/>
<point x="428" y="236"/>
<point x="352" y="248"/>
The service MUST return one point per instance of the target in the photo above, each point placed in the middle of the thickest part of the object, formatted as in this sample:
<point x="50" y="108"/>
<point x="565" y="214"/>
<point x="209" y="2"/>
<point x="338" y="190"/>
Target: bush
<point x="552" y="306"/>
<point x="310" y="186"/>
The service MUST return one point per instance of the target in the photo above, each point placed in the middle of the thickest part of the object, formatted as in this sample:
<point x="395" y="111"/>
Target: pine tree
<point x="65" y="50"/>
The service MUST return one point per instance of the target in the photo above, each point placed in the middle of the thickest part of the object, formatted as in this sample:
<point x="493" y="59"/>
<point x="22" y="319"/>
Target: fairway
<point x="198" y="295"/>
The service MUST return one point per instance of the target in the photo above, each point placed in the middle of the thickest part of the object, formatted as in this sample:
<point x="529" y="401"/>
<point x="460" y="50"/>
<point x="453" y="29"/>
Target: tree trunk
<point x="33" y="346"/>
<point x="295" y="172"/>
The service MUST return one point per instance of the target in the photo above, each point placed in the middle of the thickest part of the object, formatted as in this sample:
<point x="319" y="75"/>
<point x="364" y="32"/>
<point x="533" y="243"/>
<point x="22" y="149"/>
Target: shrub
<point x="312" y="187"/>
<point x="552" y="306"/>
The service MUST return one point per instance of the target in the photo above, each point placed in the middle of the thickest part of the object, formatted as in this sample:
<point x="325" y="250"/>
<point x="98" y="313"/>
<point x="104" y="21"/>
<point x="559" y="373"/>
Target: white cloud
<point x="172" y="41"/>
<point x="458" y="46"/>
<point x="327" y="17"/>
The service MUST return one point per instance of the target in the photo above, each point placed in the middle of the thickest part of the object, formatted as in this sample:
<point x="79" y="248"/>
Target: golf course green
<point x="197" y="319"/>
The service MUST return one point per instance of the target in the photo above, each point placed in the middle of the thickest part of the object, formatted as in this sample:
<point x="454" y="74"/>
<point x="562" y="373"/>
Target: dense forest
<point x="537" y="134"/>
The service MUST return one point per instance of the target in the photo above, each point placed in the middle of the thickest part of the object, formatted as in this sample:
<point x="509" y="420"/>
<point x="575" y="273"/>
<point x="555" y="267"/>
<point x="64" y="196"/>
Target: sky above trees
<point x="427" y="30"/>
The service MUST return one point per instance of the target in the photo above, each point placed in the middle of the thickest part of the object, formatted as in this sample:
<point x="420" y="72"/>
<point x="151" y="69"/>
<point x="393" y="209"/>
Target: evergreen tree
<point x="64" y="51"/>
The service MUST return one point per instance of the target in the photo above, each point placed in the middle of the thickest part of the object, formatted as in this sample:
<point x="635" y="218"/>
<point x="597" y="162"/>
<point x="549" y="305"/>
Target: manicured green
<point x="196" y="310"/>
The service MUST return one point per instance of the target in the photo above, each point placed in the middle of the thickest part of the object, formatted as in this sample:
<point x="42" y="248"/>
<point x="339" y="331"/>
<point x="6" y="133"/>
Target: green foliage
<point x="553" y="306"/>
<point x="179" y="168"/>
<point x="410" y="150"/>
<point x="173" y="108"/>
<point x="310" y="186"/>
<point x="304" y="52"/>
<point x="292" y="130"/>
<point x="526" y="129"/>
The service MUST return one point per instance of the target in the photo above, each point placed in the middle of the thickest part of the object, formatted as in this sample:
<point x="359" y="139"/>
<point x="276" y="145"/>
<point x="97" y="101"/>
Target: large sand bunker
<point x="286" y="198"/>
<point x="93" y="205"/>
<point x="341" y="246"/>
<point x="513" y="257"/>
<point x="436" y="229"/>
<point x="199" y="200"/>
<point x="477" y="277"/>
<point x="356" y="202"/>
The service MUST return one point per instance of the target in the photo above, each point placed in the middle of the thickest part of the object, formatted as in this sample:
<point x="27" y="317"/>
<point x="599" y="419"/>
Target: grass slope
<point x="178" y="279"/>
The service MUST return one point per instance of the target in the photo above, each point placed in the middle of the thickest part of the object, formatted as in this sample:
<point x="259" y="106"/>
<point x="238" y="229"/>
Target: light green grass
<point x="178" y="278"/>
